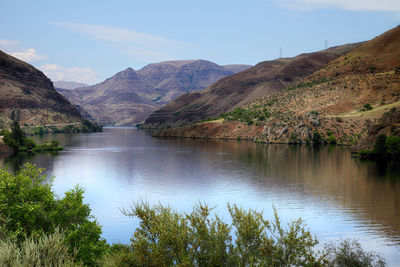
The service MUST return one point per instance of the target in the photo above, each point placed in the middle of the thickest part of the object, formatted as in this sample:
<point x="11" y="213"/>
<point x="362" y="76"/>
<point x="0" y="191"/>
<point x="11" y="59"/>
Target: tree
<point x="16" y="138"/>
<point x="33" y="210"/>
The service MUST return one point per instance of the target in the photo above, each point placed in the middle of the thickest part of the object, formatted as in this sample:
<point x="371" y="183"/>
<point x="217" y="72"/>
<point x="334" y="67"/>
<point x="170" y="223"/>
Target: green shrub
<point x="332" y="139"/>
<point x="349" y="253"/>
<point x="367" y="107"/>
<point x="293" y="139"/>
<point x="47" y="250"/>
<point x="33" y="210"/>
<point x="166" y="238"/>
<point x="366" y="154"/>
<point x="392" y="145"/>
<point x="30" y="144"/>
<point x="317" y="138"/>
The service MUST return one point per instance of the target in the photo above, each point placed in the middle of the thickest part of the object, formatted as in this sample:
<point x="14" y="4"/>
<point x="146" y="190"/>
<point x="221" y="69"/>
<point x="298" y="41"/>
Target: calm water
<point x="336" y="195"/>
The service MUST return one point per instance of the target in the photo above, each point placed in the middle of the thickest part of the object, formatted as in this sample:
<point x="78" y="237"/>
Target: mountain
<point x="242" y="88"/>
<point x="350" y="101"/>
<point x="69" y="85"/>
<point x="131" y="95"/>
<point x="28" y="95"/>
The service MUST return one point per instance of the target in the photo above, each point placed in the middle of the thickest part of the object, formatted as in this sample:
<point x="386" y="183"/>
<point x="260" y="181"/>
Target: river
<point x="337" y="196"/>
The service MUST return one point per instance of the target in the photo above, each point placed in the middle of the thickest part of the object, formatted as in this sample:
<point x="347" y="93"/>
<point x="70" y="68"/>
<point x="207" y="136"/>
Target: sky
<point x="89" y="41"/>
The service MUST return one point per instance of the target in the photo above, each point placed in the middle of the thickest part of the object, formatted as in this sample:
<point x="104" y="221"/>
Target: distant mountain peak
<point x="129" y="96"/>
<point x="69" y="85"/>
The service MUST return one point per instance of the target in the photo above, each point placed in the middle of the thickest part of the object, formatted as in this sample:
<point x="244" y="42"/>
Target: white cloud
<point x="28" y="55"/>
<point x="141" y="46"/>
<point x="114" y="34"/>
<point x="355" y="5"/>
<point x="14" y="48"/>
<point x="76" y="74"/>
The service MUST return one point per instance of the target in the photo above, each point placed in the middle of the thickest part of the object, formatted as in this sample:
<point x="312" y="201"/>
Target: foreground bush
<point x="166" y="238"/>
<point x="350" y="253"/>
<point x="32" y="210"/>
<point x="39" y="229"/>
<point x="48" y="250"/>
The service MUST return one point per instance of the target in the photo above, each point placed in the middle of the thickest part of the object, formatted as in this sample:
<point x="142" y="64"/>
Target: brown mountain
<point x="130" y="96"/>
<point x="29" y="96"/>
<point x="242" y="88"/>
<point x="354" y="97"/>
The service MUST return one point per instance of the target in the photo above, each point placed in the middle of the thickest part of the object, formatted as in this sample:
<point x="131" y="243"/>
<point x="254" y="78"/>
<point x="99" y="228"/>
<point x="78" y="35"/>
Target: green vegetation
<point x="39" y="229"/>
<point x="16" y="139"/>
<point x="85" y="127"/>
<point x="350" y="253"/>
<point x="332" y="139"/>
<point x="247" y="115"/>
<point x="307" y="84"/>
<point x="48" y="250"/>
<point x="317" y="138"/>
<point x="294" y="139"/>
<point x="385" y="148"/>
<point x="367" y="107"/>
<point x="167" y="238"/>
<point x="30" y="210"/>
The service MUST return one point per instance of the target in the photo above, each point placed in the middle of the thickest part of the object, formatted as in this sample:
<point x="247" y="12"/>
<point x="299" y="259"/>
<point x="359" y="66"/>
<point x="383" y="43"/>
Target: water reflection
<point x="336" y="195"/>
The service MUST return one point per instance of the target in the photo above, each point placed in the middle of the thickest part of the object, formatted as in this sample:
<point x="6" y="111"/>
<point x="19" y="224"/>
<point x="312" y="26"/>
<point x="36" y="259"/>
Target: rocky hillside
<point x="242" y="88"/>
<point x="349" y="99"/>
<point x="131" y="95"/>
<point x="28" y="95"/>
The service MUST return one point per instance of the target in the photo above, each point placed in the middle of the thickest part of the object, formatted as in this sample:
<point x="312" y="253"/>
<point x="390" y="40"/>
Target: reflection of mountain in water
<point x="370" y="191"/>
<point x="366" y="191"/>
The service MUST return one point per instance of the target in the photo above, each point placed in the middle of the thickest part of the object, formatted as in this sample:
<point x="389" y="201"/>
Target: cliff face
<point x="346" y="101"/>
<point x="242" y="88"/>
<point x="29" y="96"/>
<point x="130" y="96"/>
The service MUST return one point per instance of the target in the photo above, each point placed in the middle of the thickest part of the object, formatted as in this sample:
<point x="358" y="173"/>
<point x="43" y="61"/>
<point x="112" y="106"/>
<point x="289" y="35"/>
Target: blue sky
<point x="89" y="41"/>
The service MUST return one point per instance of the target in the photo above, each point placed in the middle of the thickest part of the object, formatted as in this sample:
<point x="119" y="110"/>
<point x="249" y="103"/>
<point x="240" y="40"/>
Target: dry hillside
<point x="339" y="101"/>
<point x="242" y="88"/>
<point x="27" y="95"/>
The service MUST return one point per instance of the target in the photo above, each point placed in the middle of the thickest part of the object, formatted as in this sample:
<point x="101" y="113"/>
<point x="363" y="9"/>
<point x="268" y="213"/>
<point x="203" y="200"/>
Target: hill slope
<point x="338" y="103"/>
<point x="28" y="95"/>
<point x="130" y="96"/>
<point x="242" y="88"/>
